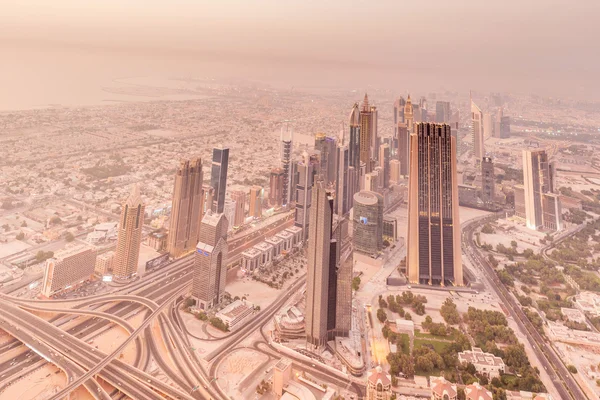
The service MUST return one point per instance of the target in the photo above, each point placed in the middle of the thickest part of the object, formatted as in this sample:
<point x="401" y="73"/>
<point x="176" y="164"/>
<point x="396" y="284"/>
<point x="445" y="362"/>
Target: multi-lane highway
<point x="565" y="384"/>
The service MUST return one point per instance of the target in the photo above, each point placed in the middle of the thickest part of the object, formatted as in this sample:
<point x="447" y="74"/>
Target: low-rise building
<point x="296" y="231"/>
<point x="68" y="268"/>
<point x="477" y="392"/>
<point x="250" y="259"/>
<point x="588" y="302"/>
<point x="287" y="239"/>
<point x="277" y="244"/>
<point x="485" y="363"/>
<point x="282" y="373"/>
<point x="235" y="312"/>
<point x="379" y="385"/>
<point x="289" y="324"/>
<point x="441" y="389"/>
<point x="158" y="240"/>
<point x="266" y="250"/>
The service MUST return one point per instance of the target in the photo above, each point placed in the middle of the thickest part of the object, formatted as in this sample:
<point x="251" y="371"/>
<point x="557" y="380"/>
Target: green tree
<point x="572" y="369"/>
<point x="381" y="315"/>
<point x="69" y="237"/>
<point x="356" y="283"/>
<point x="20" y="236"/>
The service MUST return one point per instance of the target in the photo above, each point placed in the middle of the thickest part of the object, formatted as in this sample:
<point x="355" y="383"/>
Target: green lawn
<point x="419" y="334"/>
<point x="437" y="345"/>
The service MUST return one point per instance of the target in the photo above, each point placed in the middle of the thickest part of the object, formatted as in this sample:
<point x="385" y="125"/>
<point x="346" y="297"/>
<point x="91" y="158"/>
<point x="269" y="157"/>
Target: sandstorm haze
<point x="63" y="51"/>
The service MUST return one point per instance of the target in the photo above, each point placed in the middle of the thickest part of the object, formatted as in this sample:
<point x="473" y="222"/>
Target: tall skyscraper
<point x="320" y="244"/>
<point x="433" y="239"/>
<point x="240" y="207"/>
<point x="327" y="147"/>
<point x="384" y="164"/>
<point x="497" y="123"/>
<point x="229" y="213"/>
<point x="477" y="132"/>
<point x="256" y="196"/>
<point x="306" y="174"/>
<point x="129" y="237"/>
<point x="403" y="148"/>
<point x="341" y="180"/>
<point x="442" y="112"/>
<point x="368" y="133"/>
<point x="394" y="171"/>
<point x="210" y="262"/>
<point x="186" y="209"/>
<point x="399" y="110"/>
<point x="276" y="188"/>
<point x="286" y="164"/>
<point x="542" y="206"/>
<point x="423" y="108"/>
<point x="354" y="139"/>
<point x="409" y="115"/>
<point x="218" y="177"/>
<point x="488" y="181"/>
<point x="367" y="237"/>
<point x="505" y="127"/>
<point x="488" y="125"/>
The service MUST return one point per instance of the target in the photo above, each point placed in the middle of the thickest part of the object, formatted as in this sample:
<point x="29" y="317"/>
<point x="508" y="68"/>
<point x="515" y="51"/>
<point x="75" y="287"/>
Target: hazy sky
<point x="534" y="43"/>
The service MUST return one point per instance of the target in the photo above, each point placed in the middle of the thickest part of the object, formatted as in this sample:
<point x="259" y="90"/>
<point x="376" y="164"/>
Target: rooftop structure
<point x="441" y="389"/>
<point x="379" y="385"/>
<point x="235" y="312"/>
<point x="477" y="392"/>
<point x="485" y="363"/>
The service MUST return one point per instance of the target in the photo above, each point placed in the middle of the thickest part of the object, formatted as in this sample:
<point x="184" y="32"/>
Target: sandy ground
<point x="237" y="366"/>
<point x="583" y="360"/>
<point x="37" y="385"/>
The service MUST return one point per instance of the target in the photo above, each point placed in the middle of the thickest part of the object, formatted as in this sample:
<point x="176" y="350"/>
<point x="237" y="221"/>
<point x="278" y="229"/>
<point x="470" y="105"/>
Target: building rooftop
<point x="478" y="357"/>
<point x="212" y="218"/>
<point x="236" y="308"/>
<point x="263" y="246"/>
<point x="366" y="198"/>
<point x="251" y="252"/>
<point x="283" y="363"/>
<point x="477" y="392"/>
<point x="377" y="375"/>
<point x="71" y="251"/>
<point x="441" y="387"/>
<point x="274" y="240"/>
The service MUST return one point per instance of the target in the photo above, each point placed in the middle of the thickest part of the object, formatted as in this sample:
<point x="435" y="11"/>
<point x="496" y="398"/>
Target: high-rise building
<point x="229" y="213"/>
<point x="218" y="177"/>
<point x="354" y="139"/>
<point x="210" y="262"/>
<point x="379" y="385"/>
<point x="423" y="108"/>
<point x="68" y="268"/>
<point x="395" y="175"/>
<point x="368" y="133"/>
<point x="256" y="196"/>
<point x="433" y="239"/>
<point x="367" y="235"/>
<point x="282" y="373"/>
<point x="186" y="210"/>
<point x="104" y="263"/>
<point x="488" y="181"/>
<point x="306" y="174"/>
<point x="384" y="164"/>
<point x="327" y="147"/>
<point x="409" y="115"/>
<point x="341" y="180"/>
<point x="403" y="148"/>
<point x="343" y="290"/>
<point x="488" y="125"/>
<point x="454" y="125"/>
<point x="398" y="119"/>
<point x="240" y="207"/>
<point x="477" y="132"/>
<point x="505" y="127"/>
<point x="209" y="194"/>
<point x="129" y="238"/>
<point x="371" y="181"/>
<point x="497" y="122"/>
<point x="276" y="188"/>
<point x="442" y="112"/>
<point x="519" y="196"/>
<point x="319" y="264"/>
<point x="542" y="206"/>
<point x="286" y="165"/>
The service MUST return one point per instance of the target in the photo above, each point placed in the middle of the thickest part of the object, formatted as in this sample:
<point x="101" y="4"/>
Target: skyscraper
<point x="433" y="239"/>
<point x="394" y="171"/>
<point x="368" y="133"/>
<point x="403" y="148"/>
<point x="341" y="180"/>
<point x="488" y="181"/>
<point x="256" y="196"/>
<point x="399" y="110"/>
<point x="320" y="244"/>
<point x="129" y="237"/>
<point x="276" y="188"/>
<point x="488" y="125"/>
<point x="306" y="173"/>
<point x="218" y="177"/>
<point x="477" y="132"/>
<point x="240" y="207"/>
<point x="442" y="112"/>
<point x="384" y="164"/>
<point x="354" y="140"/>
<point x="286" y="159"/>
<point x="542" y="206"/>
<point x="210" y="262"/>
<point x="186" y="209"/>
<point x="327" y="147"/>
<point x="367" y="237"/>
<point x="409" y="115"/>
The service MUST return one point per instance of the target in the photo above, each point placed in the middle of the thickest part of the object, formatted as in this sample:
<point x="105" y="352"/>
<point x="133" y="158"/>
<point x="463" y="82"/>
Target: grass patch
<point x="438" y="346"/>
<point x="450" y="337"/>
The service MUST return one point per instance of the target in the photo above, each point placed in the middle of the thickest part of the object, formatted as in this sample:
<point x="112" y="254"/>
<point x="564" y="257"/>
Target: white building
<point x="485" y="363"/>
<point x="267" y="252"/>
<point x="235" y="312"/>
<point x="277" y="244"/>
<point x="250" y="259"/>
<point x="68" y="267"/>
<point x="287" y="241"/>
<point x="588" y="302"/>
<point x="297" y="232"/>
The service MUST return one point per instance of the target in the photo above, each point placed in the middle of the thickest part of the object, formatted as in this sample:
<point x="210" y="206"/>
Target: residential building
<point x="306" y="173"/>
<point x="390" y="229"/>
<point x="210" y="263"/>
<point x="250" y="259"/>
<point x="368" y="133"/>
<point x="477" y="392"/>
<point x="68" y="268"/>
<point x="186" y="209"/>
<point x="384" y="164"/>
<point x="218" y="177"/>
<point x="158" y="239"/>
<point x="342" y="195"/>
<point x="379" y="385"/>
<point x="368" y="222"/>
<point x="129" y="238"/>
<point x="229" y="212"/>
<point x="354" y="140"/>
<point x="520" y="201"/>
<point x="409" y="115"/>
<point x="433" y="239"/>
<point x="441" y="389"/>
<point x="395" y="175"/>
<point x="485" y="363"/>
<point x="403" y="148"/>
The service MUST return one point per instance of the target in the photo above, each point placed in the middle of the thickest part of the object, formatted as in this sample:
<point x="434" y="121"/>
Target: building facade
<point x="129" y="237"/>
<point x="186" y="209"/>
<point x="442" y="112"/>
<point x="68" y="268"/>
<point x="240" y="208"/>
<point x="286" y="164"/>
<point x="256" y="196"/>
<point x="542" y="206"/>
<point x="210" y="262"/>
<point x="368" y="133"/>
<point x="276" y="188"/>
<point x="367" y="224"/>
<point x="306" y="173"/>
<point x="477" y="132"/>
<point x="433" y="239"/>
<point x="488" y="181"/>
<point x="218" y="177"/>
<point x="379" y="385"/>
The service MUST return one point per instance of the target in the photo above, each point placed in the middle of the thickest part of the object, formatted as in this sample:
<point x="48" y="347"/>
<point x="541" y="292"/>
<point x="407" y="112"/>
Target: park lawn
<point x="437" y="345"/>
<point x="418" y="334"/>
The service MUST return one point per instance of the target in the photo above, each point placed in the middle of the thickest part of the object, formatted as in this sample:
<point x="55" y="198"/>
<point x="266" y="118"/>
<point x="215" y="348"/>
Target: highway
<point x="564" y="382"/>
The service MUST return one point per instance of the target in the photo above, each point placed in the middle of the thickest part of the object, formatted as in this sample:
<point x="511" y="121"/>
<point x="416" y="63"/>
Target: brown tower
<point x="186" y="211"/>
<point x="434" y="255"/>
<point x="130" y="236"/>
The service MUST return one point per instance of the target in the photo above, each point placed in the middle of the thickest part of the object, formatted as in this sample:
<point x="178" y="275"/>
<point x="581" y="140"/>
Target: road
<point x="560" y="376"/>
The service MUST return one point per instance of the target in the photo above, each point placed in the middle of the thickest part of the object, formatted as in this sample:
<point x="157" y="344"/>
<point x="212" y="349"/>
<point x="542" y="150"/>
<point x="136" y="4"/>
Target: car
<point x="149" y="380"/>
